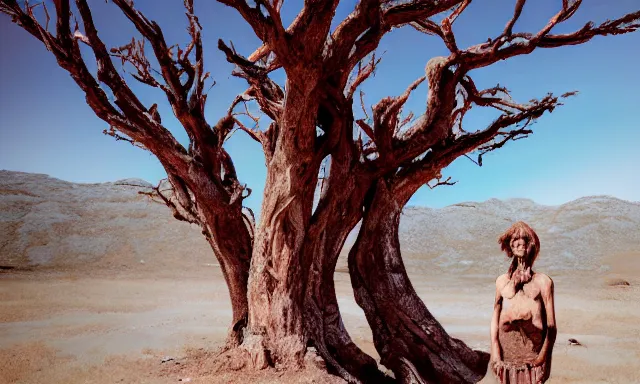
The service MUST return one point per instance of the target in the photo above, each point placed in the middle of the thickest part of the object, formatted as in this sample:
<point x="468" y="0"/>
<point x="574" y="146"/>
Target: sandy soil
<point x="118" y="326"/>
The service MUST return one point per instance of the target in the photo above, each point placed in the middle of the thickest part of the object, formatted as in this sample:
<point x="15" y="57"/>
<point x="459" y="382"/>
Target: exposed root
<point x="252" y="355"/>
<point x="326" y="357"/>
<point x="235" y="365"/>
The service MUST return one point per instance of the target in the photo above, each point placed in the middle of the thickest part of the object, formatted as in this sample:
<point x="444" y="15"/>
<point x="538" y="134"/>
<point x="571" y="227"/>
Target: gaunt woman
<point x="523" y="326"/>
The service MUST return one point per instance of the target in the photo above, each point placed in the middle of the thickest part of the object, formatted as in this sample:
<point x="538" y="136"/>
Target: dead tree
<point x="280" y="274"/>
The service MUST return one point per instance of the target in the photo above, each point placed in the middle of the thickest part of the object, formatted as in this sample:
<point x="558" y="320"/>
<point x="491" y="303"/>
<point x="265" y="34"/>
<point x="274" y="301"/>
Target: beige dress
<point x="521" y="334"/>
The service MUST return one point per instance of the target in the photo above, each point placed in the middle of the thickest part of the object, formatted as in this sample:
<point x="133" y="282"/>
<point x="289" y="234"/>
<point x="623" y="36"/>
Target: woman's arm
<point x="496" y="354"/>
<point x="548" y="301"/>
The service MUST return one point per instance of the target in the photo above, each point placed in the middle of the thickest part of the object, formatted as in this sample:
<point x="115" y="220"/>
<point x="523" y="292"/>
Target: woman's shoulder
<point x="502" y="280"/>
<point x="542" y="279"/>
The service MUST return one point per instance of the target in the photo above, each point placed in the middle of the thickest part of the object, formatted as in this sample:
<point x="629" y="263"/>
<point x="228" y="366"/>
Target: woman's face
<point x="518" y="247"/>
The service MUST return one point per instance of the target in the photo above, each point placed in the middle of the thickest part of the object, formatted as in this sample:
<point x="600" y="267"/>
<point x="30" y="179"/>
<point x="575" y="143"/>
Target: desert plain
<point x="100" y="285"/>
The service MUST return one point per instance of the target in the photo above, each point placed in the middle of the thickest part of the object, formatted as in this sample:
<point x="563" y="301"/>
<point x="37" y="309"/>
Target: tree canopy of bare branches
<point x="280" y="272"/>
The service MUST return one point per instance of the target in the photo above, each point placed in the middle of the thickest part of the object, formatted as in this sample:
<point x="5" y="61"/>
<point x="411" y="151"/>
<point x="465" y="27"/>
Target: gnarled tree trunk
<point x="411" y="342"/>
<point x="225" y="230"/>
<point x="335" y="217"/>
<point x="236" y="273"/>
<point x="276" y="289"/>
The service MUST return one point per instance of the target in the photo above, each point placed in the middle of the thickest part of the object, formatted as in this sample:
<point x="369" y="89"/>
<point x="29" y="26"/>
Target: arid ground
<point x="118" y="326"/>
<point x="98" y="284"/>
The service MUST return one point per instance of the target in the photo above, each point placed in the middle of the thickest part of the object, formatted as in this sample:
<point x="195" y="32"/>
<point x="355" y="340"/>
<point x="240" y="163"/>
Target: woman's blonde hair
<point x="520" y="230"/>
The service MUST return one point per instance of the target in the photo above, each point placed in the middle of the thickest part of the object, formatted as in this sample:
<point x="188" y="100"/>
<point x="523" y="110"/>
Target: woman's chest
<point x="526" y="304"/>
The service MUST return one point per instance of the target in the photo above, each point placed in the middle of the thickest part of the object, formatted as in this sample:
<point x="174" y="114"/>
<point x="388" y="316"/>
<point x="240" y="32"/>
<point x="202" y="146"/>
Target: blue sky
<point x="586" y="147"/>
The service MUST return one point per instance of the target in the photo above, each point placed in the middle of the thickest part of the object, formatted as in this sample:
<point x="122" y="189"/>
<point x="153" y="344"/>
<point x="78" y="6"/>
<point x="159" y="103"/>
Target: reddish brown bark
<point x="276" y="291"/>
<point x="202" y="195"/>
<point x="323" y="321"/>
<point x="337" y="214"/>
<point x="232" y="239"/>
<point x="411" y="342"/>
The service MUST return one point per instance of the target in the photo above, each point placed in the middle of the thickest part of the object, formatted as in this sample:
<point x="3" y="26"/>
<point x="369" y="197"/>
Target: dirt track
<point x="116" y="327"/>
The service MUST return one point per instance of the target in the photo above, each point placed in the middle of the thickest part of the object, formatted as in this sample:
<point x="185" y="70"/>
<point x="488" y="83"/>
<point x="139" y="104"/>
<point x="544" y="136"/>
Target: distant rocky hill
<point x="584" y="234"/>
<point x="49" y="222"/>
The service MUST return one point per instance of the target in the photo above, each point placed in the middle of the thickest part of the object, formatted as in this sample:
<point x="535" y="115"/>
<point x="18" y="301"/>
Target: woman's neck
<point x="521" y="264"/>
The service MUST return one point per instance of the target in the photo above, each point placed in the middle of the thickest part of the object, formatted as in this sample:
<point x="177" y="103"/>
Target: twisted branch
<point x="419" y="172"/>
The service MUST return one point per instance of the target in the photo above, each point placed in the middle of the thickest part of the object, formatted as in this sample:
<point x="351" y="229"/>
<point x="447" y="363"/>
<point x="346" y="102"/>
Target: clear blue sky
<point x="587" y="147"/>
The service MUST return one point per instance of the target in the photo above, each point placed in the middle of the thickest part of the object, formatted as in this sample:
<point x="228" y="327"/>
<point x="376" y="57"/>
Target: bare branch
<point x="268" y="29"/>
<point x="504" y="104"/>
<point x="360" y="33"/>
<point x="243" y="98"/>
<point x="506" y="46"/>
<point x="435" y="125"/>
<point x="125" y="98"/>
<point x="187" y="100"/>
<point x="63" y="13"/>
<point x="195" y="72"/>
<point x="366" y="128"/>
<point x="394" y="16"/>
<point x="446" y="24"/>
<point x="79" y="36"/>
<point x="567" y="11"/>
<point x="152" y="33"/>
<point x="444" y="30"/>
<point x="476" y="162"/>
<point x="386" y="120"/>
<point x="363" y="74"/>
<point x="134" y="54"/>
<point x="447" y="74"/>
<point x="177" y="199"/>
<point x="404" y="122"/>
<point x="439" y="182"/>
<point x="250" y="221"/>
<point x="366" y="15"/>
<point x="364" y="110"/>
<point x="255" y="134"/>
<point x="516" y="15"/>
<point x="302" y="41"/>
<point x="417" y="173"/>
<point x="129" y="118"/>
<point x="509" y="44"/>
<point x="247" y="113"/>
<point x="400" y="101"/>
<point x="46" y="14"/>
<point x="428" y="27"/>
<point x="267" y="93"/>
<point x="114" y="133"/>
<point x="310" y="28"/>
<point x="259" y="53"/>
